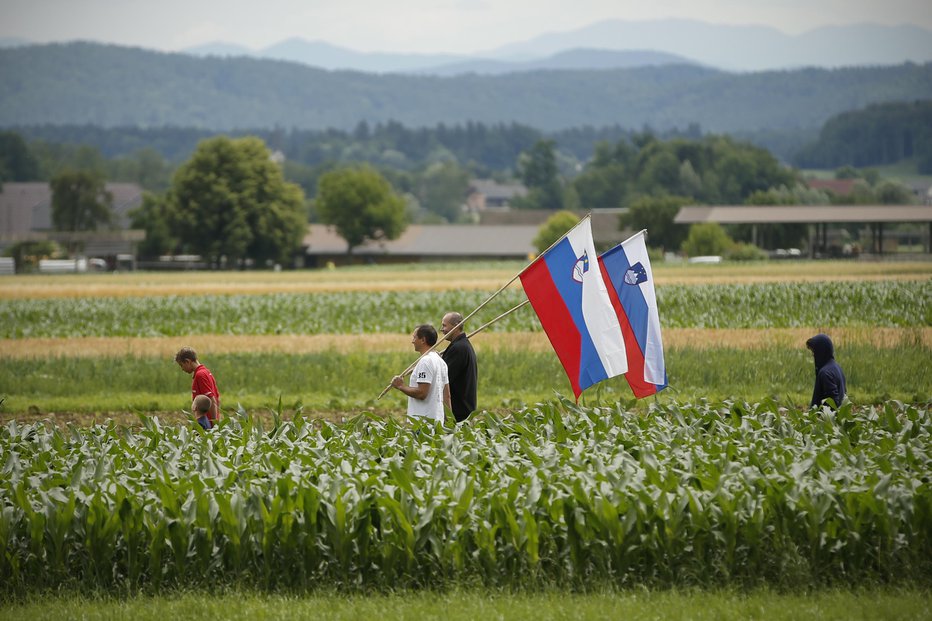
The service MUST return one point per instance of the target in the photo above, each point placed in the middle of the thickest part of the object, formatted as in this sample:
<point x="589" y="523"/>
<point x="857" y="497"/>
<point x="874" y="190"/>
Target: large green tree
<point x="80" y="201"/>
<point x="708" y="238"/>
<point x="361" y="204"/>
<point x="442" y="189"/>
<point x="554" y="228"/>
<point x="537" y="169"/>
<point x="231" y="200"/>
<point x="56" y="158"/>
<point x="711" y="170"/>
<point x="16" y="162"/>
<point x="606" y="181"/>
<point x="152" y="216"/>
<point x="146" y="167"/>
<point x="879" y="134"/>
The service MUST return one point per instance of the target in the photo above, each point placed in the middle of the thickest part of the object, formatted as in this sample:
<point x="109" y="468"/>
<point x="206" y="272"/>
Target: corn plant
<point x="703" y="493"/>
<point x="760" y="305"/>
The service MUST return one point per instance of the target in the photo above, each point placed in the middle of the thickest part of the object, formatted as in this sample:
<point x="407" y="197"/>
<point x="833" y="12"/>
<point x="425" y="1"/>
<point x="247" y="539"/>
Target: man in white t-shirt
<point x="428" y="389"/>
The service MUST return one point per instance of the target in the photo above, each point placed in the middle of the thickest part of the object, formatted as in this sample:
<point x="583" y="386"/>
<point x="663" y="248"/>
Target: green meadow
<point x="343" y="384"/>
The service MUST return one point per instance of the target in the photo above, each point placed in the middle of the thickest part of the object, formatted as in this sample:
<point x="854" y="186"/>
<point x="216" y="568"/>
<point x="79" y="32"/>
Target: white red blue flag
<point x="571" y="299"/>
<point x="626" y="268"/>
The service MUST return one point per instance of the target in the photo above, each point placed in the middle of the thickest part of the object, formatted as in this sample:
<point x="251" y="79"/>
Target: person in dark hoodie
<point x="829" y="378"/>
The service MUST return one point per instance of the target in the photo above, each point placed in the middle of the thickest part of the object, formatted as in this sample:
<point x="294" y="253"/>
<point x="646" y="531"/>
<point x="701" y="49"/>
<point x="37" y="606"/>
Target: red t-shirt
<point x="204" y="384"/>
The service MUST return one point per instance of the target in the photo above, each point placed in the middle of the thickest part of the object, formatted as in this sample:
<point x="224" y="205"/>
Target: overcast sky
<point x="435" y="26"/>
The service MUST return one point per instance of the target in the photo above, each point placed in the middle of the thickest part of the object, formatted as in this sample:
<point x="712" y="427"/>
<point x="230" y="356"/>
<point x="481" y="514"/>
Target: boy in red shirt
<point x="203" y="383"/>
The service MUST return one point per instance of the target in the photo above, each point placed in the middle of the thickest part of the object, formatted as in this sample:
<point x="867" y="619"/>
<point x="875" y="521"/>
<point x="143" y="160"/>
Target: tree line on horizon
<point x="878" y="135"/>
<point x="222" y="202"/>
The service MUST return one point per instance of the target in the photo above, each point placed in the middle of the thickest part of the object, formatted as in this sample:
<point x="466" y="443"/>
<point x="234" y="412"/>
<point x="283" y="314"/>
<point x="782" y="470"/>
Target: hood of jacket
<point x="822" y="349"/>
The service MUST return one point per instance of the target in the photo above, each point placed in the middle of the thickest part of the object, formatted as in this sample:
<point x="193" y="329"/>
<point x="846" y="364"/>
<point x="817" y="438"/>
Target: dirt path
<point x="130" y="419"/>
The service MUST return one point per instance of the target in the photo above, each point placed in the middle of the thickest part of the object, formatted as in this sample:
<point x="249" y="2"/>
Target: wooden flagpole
<point x="502" y="316"/>
<point x="493" y="296"/>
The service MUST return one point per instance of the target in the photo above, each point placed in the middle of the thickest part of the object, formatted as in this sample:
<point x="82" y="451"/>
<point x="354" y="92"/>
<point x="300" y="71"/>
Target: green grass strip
<point x="350" y="382"/>
<point x="868" y="604"/>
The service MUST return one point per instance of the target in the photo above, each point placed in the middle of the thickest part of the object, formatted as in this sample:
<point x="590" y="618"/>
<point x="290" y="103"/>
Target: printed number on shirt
<point x="422" y="375"/>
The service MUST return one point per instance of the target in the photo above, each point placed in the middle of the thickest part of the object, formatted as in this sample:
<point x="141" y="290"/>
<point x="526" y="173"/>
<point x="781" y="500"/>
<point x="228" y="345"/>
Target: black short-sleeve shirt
<point x="464" y="376"/>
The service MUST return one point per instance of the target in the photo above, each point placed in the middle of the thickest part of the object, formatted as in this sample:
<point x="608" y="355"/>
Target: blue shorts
<point x="204" y="422"/>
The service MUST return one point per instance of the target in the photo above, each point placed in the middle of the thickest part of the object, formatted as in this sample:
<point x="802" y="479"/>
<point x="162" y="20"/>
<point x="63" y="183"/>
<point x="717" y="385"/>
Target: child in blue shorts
<point x="200" y="407"/>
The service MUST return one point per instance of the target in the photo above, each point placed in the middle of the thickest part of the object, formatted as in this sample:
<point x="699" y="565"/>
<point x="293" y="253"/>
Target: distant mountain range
<point x="744" y="48"/>
<point x="13" y="42"/>
<point x="334" y="58"/>
<point x="108" y="86"/>
<point x="732" y="48"/>
<point x="617" y="44"/>
<point x="581" y="59"/>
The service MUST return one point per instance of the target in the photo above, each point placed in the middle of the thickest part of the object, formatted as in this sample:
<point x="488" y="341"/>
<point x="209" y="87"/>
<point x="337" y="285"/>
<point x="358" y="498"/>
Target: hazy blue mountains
<point x="738" y="48"/>
<point x="324" y="55"/>
<point x="742" y="48"/>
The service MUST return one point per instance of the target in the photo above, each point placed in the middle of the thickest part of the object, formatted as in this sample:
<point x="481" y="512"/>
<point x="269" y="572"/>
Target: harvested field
<point x="674" y="338"/>
<point x="421" y="277"/>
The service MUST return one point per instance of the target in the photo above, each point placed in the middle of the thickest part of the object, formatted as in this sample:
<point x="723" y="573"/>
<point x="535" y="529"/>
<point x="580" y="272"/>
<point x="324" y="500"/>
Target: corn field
<point x="759" y="305"/>
<point x="706" y="494"/>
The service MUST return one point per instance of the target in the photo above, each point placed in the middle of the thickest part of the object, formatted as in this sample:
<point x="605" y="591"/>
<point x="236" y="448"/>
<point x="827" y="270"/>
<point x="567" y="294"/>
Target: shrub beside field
<point x="706" y="494"/>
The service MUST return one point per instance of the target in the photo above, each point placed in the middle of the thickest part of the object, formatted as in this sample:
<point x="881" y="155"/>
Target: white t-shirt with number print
<point x="430" y="369"/>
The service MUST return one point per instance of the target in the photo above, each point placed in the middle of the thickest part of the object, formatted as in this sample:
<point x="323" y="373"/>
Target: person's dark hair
<point x="185" y="353"/>
<point x="427" y="332"/>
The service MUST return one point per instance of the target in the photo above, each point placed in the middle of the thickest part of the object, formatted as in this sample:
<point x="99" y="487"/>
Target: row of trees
<point x="711" y="170"/>
<point x="42" y="161"/>
<point x="877" y="135"/>
<point x="486" y="147"/>
<point x="233" y="201"/>
<point x="230" y="203"/>
<point x="436" y="190"/>
<point x="433" y="165"/>
<point x="80" y="200"/>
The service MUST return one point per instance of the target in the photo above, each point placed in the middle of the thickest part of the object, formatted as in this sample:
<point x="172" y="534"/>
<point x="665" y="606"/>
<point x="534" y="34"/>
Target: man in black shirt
<point x="461" y="364"/>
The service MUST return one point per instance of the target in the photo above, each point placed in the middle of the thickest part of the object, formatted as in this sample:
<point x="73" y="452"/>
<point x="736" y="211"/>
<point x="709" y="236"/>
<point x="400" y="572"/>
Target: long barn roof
<point x="803" y="214"/>
<point x="449" y="240"/>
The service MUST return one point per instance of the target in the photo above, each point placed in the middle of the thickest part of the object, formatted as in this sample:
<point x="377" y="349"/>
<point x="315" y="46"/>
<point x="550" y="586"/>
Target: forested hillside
<point x="83" y="83"/>
<point x="880" y="134"/>
<point x="494" y="147"/>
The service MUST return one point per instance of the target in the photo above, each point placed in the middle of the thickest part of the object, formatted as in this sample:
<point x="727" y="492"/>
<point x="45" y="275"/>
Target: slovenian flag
<point x="567" y="291"/>
<point x="626" y="268"/>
